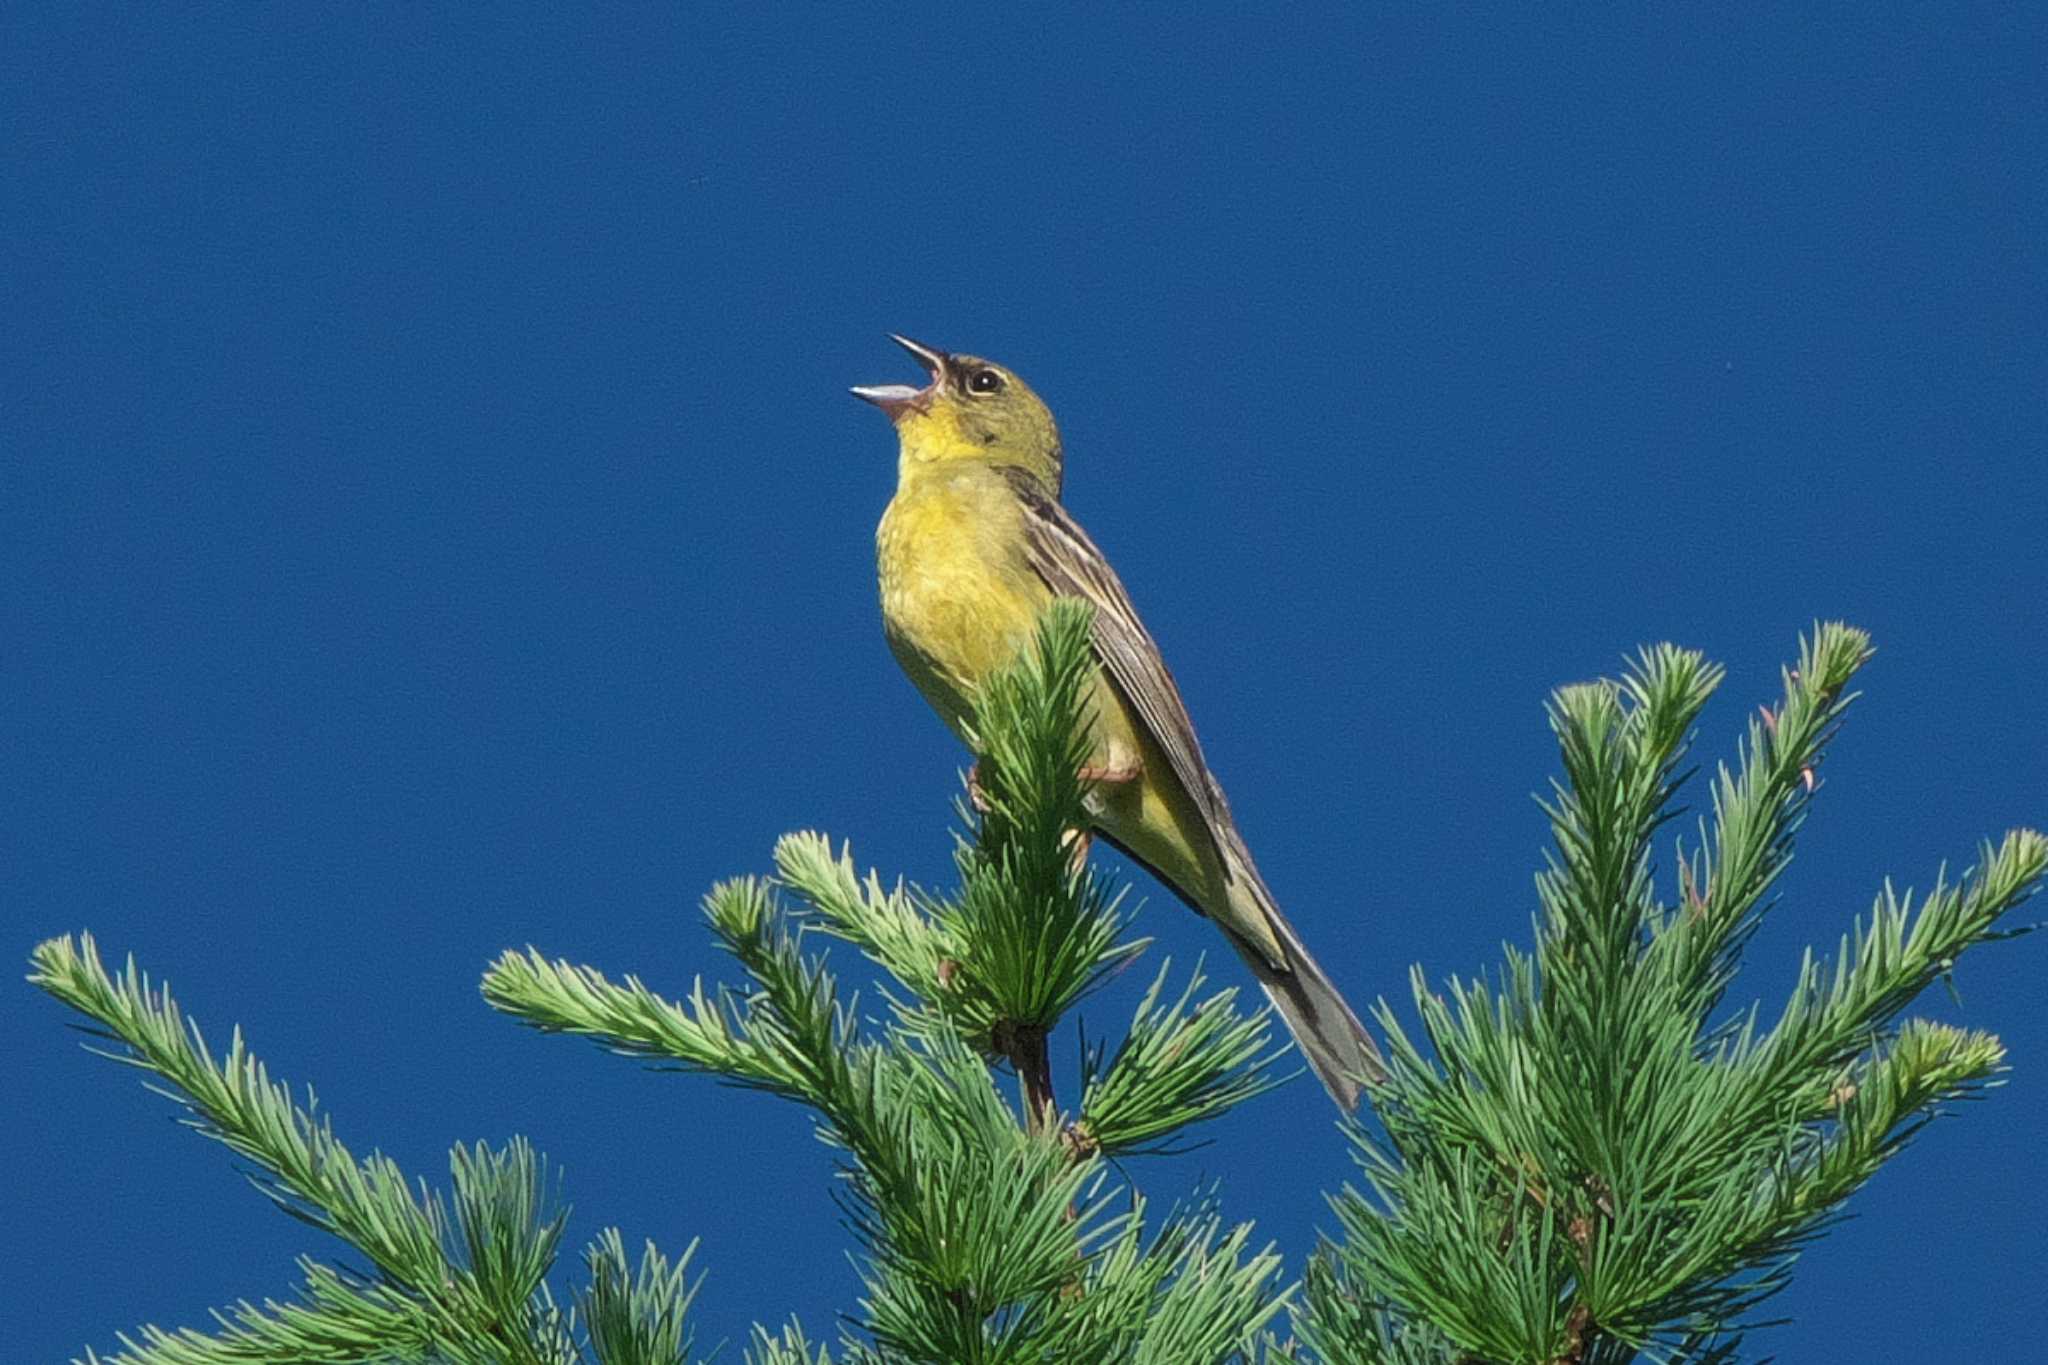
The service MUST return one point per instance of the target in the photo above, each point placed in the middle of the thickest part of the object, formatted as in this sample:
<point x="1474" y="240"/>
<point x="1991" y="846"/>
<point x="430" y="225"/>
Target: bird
<point x="971" y="549"/>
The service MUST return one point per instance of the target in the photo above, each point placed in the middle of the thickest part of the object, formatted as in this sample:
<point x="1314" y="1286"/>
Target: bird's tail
<point x="1337" y="1046"/>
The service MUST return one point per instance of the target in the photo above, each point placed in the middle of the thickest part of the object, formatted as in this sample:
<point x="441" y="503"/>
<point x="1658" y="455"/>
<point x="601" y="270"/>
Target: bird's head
<point x="969" y="409"/>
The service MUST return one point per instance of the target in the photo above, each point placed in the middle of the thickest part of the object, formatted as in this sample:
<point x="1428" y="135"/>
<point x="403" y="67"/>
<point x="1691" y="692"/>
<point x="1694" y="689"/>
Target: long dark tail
<point x="1337" y="1046"/>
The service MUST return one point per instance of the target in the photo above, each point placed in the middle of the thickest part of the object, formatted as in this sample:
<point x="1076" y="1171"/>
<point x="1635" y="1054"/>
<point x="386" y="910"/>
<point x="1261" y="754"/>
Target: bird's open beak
<point x="895" y="399"/>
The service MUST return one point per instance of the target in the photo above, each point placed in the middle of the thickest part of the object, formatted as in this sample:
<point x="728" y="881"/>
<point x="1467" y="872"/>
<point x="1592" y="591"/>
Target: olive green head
<point x="969" y="409"/>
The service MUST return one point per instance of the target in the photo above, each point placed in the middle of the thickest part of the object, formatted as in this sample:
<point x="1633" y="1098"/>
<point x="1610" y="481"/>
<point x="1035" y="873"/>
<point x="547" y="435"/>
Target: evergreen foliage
<point x="990" y="1234"/>
<point x="456" y="1279"/>
<point x="1592" y="1161"/>
<point x="1585" y="1156"/>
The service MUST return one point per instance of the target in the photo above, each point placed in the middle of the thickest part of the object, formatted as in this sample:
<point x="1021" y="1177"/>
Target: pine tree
<point x="1586" y="1156"/>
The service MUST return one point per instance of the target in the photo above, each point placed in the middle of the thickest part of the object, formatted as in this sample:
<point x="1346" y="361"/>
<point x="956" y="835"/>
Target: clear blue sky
<point x="432" y="520"/>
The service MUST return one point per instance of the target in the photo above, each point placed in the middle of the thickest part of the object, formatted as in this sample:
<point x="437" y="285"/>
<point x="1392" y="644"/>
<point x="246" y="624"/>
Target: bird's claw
<point x="1078" y="842"/>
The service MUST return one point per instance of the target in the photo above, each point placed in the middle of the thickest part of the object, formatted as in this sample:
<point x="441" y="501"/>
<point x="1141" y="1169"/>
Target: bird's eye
<point x="984" y="381"/>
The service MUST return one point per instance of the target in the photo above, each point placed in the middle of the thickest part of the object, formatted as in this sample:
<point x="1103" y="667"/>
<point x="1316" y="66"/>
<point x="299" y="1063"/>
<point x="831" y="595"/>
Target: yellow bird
<point x="970" y="551"/>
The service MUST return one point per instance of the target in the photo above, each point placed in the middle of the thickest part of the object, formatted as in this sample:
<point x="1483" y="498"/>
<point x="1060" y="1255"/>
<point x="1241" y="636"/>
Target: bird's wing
<point x="1061" y="554"/>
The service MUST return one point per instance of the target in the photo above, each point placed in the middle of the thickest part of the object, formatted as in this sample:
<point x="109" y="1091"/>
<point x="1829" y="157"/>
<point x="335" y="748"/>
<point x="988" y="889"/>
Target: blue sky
<point x="433" y="521"/>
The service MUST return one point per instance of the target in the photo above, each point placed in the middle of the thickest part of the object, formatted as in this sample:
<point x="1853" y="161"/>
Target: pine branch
<point x="1180" y="1063"/>
<point x="638" y="1315"/>
<point x="462" y="1286"/>
<point x="1833" y="1015"/>
<point x="986" y="1238"/>
<point x="1581" y="1164"/>
<point x="1758" y="809"/>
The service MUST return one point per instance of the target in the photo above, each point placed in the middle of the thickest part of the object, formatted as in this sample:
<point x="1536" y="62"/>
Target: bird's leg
<point x="1102" y="775"/>
<point x="1078" y="841"/>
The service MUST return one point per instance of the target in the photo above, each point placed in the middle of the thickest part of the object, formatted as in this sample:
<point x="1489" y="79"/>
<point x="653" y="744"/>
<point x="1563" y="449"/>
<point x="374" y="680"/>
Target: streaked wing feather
<point x="1070" y="564"/>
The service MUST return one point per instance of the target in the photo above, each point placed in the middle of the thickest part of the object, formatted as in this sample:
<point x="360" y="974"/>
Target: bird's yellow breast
<point x="960" y="599"/>
<point x="958" y="596"/>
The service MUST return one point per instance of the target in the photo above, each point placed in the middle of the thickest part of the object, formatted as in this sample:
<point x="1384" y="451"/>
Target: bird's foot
<point x="1109" y="775"/>
<point x="1101" y="774"/>
<point x="1078" y="842"/>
